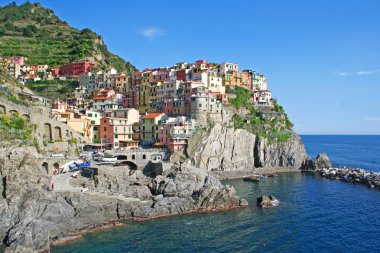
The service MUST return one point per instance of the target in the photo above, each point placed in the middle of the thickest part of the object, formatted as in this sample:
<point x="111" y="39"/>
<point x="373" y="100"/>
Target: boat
<point x="252" y="178"/>
<point x="109" y="159"/>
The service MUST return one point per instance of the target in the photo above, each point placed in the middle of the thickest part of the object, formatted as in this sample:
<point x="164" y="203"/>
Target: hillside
<point x="36" y="32"/>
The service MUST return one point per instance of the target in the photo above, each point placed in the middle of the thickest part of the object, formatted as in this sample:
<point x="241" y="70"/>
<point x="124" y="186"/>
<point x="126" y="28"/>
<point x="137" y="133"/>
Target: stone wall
<point x="47" y="128"/>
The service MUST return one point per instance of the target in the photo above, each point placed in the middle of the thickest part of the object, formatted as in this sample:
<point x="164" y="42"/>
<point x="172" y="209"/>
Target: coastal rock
<point x="290" y="153"/>
<point x="198" y="187"/>
<point x="21" y="249"/>
<point x="223" y="149"/>
<point x="322" y="161"/>
<point x="267" y="201"/>
<point x="229" y="149"/>
<point x="29" y="211"/>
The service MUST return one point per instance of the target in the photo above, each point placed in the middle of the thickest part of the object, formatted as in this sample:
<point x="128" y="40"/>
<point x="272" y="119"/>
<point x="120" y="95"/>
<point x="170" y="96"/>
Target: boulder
<point x="322" y="161"/>
<point x="267" y="201"/>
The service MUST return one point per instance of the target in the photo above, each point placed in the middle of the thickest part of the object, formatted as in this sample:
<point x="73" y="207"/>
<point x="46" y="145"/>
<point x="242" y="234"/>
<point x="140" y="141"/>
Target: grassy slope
<point x="35" y="32"/>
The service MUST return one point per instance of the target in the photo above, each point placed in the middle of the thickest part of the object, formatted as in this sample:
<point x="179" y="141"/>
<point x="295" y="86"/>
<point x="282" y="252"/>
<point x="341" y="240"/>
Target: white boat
<point x="109" y="159"/>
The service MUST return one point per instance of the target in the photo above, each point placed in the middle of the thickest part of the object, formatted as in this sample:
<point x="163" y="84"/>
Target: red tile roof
<point x="152" y="115"/>
<point x="102" y="98"/>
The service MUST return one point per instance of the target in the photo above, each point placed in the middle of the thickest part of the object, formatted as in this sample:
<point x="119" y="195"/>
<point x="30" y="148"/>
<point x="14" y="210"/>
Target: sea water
<point x="314" y="215"/>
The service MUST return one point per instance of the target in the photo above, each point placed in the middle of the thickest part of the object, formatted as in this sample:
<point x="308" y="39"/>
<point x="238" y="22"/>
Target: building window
<point x="105" y="128"/>
<point x="115" y="136"/>
<point x="144" y="157"/>
<point x="200" y="105"/>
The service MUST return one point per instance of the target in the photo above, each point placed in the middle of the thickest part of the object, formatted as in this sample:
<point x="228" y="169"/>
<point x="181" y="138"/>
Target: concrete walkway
<point x="62" y="183"/>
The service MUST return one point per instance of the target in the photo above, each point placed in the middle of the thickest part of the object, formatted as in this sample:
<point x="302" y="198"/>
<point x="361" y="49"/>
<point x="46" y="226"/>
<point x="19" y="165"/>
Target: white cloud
<point x="151" y="32"/>
<point x="360" y="73"/>
<point x="372" y="118"/>
<point x="367" y="72"/>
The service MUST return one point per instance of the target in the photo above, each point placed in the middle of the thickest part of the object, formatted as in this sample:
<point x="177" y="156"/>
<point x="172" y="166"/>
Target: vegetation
<point x="35" y="32"/>
<point x="72" y="141"/>
<point x="272" y="125"/>
<point x="53" y="88"/>
<point x="16" y="127"/>
<point x="6" y="77"/>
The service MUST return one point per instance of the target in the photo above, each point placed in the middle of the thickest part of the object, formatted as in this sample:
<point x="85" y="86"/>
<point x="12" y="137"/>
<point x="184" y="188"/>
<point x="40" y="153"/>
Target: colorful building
<point x="75" y="68"/>
<point x="149" y="126"/>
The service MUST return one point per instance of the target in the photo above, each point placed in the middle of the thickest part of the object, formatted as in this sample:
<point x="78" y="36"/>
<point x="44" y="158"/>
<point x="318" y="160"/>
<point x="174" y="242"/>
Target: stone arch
<point x="122" y="157"/>
<point x="57" y="133"/>
<point x="26" y="116"/>
<point x="48" y="134"/>
<point x="3" y="109"/>
<point x="56" y="165"/>
<point x="45" y="166"/>
<point x="133" y="157"/>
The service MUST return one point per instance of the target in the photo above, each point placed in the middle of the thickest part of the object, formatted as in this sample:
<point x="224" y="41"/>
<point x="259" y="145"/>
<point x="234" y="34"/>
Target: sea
<point x="315" y="214"/>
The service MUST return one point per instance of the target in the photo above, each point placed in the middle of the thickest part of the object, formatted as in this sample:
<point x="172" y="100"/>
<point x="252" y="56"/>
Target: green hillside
<point x="35" y="32"/>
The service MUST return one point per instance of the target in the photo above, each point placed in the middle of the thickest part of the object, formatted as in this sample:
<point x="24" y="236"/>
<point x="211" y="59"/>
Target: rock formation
<point x="267" y="201"/>
<point x="229" y="149"/>
<point x="320" y="162"/>
<point x="28" y="211"/>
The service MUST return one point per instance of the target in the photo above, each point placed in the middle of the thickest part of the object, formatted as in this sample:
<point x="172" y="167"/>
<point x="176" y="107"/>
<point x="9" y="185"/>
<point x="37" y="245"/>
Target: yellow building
<point x="122" y="83"/>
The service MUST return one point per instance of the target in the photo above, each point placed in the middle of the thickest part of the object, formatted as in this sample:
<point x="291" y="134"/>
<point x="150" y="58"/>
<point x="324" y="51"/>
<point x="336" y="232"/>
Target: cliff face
<point x="290" y="153"/>
<point x="236" y="149"/>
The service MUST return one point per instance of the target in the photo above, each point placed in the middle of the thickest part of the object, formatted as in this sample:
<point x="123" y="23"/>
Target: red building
<point x="75" y="68"/>
<point x="181" y="75"/>
<point x="55" y="72"/>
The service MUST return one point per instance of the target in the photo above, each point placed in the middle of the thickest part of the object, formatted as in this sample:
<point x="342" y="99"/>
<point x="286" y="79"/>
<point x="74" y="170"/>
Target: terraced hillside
<point x="35" y="32"/>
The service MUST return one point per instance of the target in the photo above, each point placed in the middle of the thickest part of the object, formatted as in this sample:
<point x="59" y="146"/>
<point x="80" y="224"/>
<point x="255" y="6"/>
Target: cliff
<point x="225" y="148"/>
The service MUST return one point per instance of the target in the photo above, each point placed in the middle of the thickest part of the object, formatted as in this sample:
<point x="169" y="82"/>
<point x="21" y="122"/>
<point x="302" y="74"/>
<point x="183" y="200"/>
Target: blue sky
<point x="321" y="57"/>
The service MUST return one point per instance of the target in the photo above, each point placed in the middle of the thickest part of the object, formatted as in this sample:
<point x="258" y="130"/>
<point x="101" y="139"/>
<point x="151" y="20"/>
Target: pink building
<point x="18" y="60"/>
<point x="117" y="131"/>
<point x="175" y="132"/>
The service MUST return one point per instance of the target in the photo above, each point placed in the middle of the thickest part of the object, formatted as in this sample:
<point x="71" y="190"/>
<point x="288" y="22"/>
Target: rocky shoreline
<point x="116" y="223"/>
<point x="29" y="212"/>
<point x="350" y="175"/>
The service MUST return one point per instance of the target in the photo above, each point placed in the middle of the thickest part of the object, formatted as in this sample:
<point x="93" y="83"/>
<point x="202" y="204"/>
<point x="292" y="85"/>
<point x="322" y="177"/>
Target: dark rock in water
<point x="322" y="161"/>
<point x="308" y="165"/>
<point x="267" y="201"/>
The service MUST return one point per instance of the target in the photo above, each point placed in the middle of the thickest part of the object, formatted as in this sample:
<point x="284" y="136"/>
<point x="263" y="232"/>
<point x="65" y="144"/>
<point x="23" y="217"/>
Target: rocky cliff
<point x="29" y="211"/>
<point x="226" y="148"/>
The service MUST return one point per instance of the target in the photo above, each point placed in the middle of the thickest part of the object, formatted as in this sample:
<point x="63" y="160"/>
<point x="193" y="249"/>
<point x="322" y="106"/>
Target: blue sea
<point x="315" y="214"/>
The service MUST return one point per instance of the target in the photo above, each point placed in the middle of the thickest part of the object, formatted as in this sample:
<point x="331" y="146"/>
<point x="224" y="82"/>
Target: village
<point x="153" y="108"/>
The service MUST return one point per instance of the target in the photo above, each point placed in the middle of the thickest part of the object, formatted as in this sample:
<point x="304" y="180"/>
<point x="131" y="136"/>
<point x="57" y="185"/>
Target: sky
<point x="321" y="57"/>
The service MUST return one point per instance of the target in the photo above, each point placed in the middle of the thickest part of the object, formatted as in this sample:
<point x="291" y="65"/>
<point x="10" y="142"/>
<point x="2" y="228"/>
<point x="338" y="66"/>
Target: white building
<point x="262" y="97"/>
<point x="228" y="66"/>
